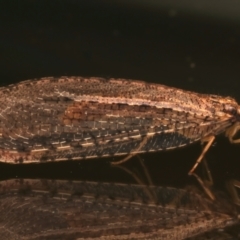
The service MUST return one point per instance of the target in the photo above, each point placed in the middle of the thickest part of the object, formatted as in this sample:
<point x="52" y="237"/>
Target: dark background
<point x="193" y="45"/>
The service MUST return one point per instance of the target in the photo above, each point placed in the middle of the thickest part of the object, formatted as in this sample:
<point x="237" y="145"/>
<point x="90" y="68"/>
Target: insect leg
<point x="209" y="141"/>
<point x="145" y="184"/>
<point x="205" y="188"/>
<point x="231" y="132"/>
<point x="231" y="186"/>
<point x="143" y="142"/>
<point x="207" y="175"/>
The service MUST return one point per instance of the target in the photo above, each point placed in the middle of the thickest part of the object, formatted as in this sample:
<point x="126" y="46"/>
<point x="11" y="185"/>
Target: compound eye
<point x="230" y="109"/>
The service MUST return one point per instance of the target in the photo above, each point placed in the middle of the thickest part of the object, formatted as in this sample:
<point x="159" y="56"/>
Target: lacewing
<point x="53" y="119"/>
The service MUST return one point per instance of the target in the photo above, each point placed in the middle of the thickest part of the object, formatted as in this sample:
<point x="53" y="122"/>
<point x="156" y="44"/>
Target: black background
<point x="193" y="45"/>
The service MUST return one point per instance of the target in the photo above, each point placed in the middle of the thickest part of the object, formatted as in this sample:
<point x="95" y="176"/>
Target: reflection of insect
<point x="82" y="118"/>
<point x="93" y="210"/>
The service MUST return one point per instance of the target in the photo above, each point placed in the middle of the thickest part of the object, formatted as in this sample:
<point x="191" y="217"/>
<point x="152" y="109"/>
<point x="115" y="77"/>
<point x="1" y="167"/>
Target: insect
<point x="53" y="119"/>
<point x="47" y="209"/>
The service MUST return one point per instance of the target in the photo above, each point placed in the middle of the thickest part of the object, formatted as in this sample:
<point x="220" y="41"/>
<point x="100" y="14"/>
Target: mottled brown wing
<point x="78" y="118"/>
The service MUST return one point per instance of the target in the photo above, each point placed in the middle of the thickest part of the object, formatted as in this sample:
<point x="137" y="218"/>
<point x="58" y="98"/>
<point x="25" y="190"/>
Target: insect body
<point x="82" y="118"/>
